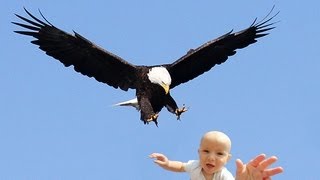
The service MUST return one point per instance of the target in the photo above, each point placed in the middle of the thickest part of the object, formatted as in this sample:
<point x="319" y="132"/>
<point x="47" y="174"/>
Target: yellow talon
<point x="180" y="111"/>
<point x="153" y="118"/>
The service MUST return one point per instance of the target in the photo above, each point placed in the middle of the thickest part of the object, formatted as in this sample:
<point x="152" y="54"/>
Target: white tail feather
<point x="132" y="102"/>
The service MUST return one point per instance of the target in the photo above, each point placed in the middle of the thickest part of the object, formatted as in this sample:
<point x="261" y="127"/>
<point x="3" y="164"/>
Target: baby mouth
<point x="210" y="166"/>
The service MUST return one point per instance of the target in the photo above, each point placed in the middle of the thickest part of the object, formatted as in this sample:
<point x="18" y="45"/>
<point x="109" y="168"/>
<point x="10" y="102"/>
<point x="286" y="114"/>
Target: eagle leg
<point x="152" y="118"/>
<point x="146" y="110"/>
<point x="178" y="111"/>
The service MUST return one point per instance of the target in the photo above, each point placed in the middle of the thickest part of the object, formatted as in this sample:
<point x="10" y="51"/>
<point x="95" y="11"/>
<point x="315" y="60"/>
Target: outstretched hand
<point x="160" y="159"/>
<point x="164" y="162"/>
<point x="257" y="168"/>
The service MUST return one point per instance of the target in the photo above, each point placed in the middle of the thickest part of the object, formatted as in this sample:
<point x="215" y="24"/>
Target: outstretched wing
<point x="202" y="59"/>
<point x="86" y="57"/>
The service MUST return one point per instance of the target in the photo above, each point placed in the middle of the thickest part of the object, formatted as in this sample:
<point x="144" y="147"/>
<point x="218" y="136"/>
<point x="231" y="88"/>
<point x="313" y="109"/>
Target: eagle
<point x="152" y="83"/>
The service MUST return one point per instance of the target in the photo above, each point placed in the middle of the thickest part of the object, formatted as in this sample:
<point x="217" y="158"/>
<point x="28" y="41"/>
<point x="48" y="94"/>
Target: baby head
<point x="214" y="152"/>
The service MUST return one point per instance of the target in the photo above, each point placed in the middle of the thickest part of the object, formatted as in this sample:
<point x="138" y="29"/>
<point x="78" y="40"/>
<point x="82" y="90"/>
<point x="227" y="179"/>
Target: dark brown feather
<point x="86" y="57"/>
<point x="217" y="51"/>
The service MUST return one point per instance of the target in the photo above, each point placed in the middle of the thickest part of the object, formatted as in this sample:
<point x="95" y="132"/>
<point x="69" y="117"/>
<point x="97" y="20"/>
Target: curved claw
<point x="152" y="118"/>
<point x="178" y="112"/>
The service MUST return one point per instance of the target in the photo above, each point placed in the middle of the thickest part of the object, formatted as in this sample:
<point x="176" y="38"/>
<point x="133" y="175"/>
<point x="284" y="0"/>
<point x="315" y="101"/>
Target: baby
<point x="214" y="153"/>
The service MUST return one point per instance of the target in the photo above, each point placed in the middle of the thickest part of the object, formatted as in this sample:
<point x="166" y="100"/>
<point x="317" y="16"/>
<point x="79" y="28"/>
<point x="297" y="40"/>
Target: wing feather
<point x="217" y="51"/>
<point x="86" y="57"/>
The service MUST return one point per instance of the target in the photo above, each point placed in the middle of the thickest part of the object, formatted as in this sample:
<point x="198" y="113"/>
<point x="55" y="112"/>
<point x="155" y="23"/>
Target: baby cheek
<point x="203" y="158"/>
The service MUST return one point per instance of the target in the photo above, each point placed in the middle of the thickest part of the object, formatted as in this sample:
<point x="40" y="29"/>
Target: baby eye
<point x="220" y="154"/>
<point x="205" y="151"/>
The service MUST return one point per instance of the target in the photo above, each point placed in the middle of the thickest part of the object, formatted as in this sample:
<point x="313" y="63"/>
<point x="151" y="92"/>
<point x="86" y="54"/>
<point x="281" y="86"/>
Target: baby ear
<point x="229" y="156"/>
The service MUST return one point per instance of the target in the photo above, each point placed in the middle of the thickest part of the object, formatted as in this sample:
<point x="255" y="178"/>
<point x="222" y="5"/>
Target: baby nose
<point x="211" y="157"/>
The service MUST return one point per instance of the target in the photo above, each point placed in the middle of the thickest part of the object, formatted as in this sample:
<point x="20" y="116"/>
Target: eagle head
<point x="160" y="75"/>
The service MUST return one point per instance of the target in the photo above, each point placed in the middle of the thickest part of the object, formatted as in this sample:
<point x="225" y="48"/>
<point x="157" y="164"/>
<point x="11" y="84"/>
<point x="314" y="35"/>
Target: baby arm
<point x="165" y="163"/>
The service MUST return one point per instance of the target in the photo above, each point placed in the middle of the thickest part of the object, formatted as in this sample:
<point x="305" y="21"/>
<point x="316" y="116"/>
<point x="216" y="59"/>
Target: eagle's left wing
<point x="202" y="59"/>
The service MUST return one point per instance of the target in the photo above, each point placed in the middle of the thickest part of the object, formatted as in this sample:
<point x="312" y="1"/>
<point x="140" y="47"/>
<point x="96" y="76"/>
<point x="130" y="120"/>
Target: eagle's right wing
<point x="86" y="57"/>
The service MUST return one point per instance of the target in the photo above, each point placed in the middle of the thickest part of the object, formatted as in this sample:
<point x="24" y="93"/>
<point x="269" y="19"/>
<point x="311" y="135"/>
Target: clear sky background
<point x="58" y="124"/>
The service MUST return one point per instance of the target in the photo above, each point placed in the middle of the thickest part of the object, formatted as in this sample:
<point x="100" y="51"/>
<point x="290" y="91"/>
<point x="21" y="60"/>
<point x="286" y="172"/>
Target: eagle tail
<point x="133" y="102"/>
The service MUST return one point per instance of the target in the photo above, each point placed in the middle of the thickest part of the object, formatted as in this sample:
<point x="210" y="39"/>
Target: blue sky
<point x="58" y="124"/>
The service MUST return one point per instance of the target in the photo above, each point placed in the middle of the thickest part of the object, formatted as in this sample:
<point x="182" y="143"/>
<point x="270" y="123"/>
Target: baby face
<point x="214" y="153"/>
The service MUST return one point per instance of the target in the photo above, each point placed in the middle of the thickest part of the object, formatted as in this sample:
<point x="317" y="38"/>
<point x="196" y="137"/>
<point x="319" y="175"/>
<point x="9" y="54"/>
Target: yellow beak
<point x="166" y="88"/>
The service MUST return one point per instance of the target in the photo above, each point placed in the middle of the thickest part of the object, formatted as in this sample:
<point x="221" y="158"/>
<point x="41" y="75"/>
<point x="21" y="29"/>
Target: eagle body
<point x="152" y="95"/>
<point x="152" y="83"/>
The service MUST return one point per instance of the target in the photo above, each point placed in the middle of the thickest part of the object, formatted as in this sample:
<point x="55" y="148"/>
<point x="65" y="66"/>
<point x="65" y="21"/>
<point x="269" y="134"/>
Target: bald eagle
<point x="152" y="83"/>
